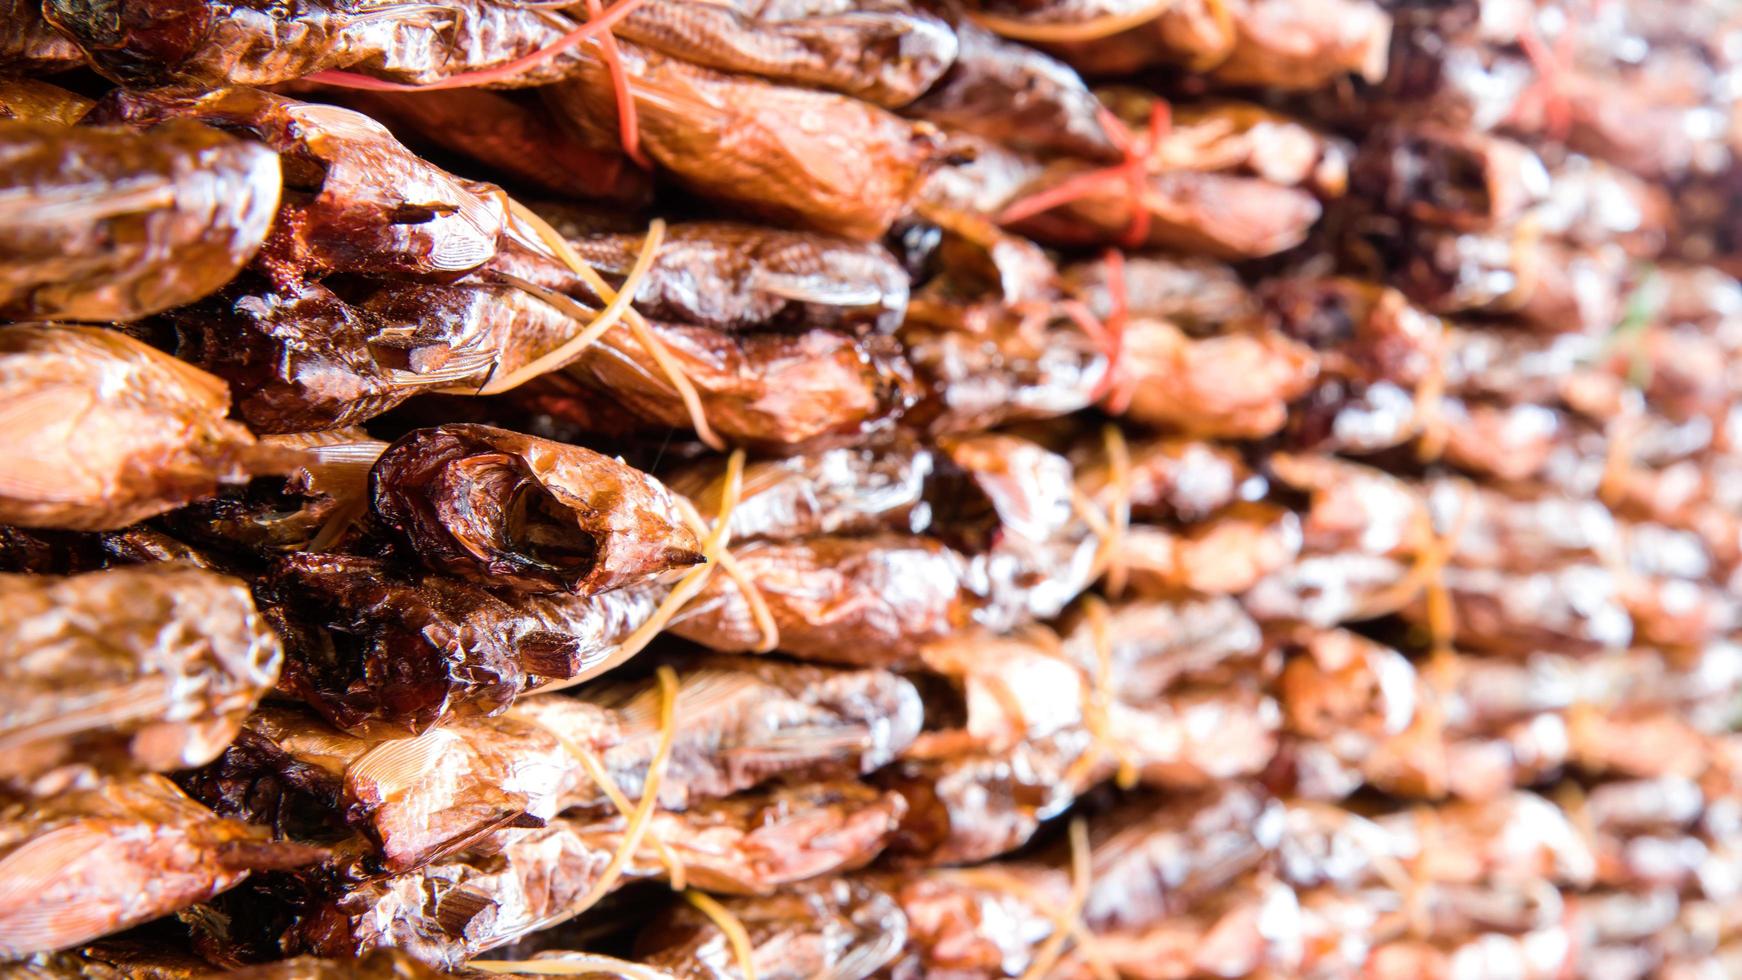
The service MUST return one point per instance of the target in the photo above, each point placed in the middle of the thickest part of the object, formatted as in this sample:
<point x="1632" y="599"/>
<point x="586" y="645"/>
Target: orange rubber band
<point x="1131" y="172"/>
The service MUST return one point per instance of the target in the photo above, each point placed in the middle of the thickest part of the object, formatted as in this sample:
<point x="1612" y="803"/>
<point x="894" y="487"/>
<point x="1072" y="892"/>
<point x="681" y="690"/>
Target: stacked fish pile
<point x="799" y="488"/>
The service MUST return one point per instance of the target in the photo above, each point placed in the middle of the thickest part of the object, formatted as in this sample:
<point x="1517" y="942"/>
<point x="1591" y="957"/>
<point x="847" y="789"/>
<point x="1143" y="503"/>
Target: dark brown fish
<point x="356" y="200"/>
<point x="506" y="510"/>
<point x="377" y="646"/>
<point x="1016" y="96"/>
<point x="31" y="45"/>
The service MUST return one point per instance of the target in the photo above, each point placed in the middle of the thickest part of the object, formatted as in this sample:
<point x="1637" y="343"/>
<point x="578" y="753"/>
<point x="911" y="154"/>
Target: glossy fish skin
<point x="740" y="723"/>
<point x="356" y="200"/>
<point x="793" y="156"/>
<point x="194" y="43"/>
<point x="1016" y="96"/>
<point x="507" y="133"/>
<point x="741" y="277"/>
<point x="752" y="844"/>
<point x="305" y="358"/>
<point x="85" y="864"/>
<point x="130" y="670"/>
<point x="506" y="510"/>
<point x="886" y="52"/>
<point x="116" y="225"/>
<point x="102" y="431"/>
<point x="375" y="647"/>
<point x="300" y="358"/>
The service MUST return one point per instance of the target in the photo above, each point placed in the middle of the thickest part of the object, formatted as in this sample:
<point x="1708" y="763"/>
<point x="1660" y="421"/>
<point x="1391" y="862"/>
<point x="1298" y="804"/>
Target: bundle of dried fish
<point x="986" y="533"/>
<point x="848" y="167"/>
<point x="731" y="725"/>
<point x="521" y="881"/>
<point x="1150" y="693"/>
<point x="1561" y="72"/>
<point x="373" y="644"/>
<point x="1228" y="180"/>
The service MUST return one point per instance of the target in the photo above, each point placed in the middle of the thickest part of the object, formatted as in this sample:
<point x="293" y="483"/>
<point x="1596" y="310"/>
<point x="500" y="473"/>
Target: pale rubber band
<point x="752" y="594"/>
<point x="1109" y="526"/>
<point x="1097" y="714"/>
<point x="1092" y="29"/>
<point x="1425" y="578"/>
<point x="1386" y="867"/>
<point x="1571" y="798"/>
<point x="641" y="819"/>
<point x="596" y="771"/>
<point x="1526" y="236"/>
<point x="1620" y="435"/>
<point x="1050" y="951"/>
<point x="1433" y="431"/>
<point x="638" y="327"/>
<point x="997" y="879"/>
<point x="686" y="589"/>
<point x="1224" y="19"/>
<point x="727" y="923"/>
<point x="605" y="320"/>
<point x="1119" y="509"/>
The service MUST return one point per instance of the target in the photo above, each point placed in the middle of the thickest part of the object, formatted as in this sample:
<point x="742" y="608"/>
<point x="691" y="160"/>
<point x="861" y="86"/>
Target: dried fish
<point x="372" y="645"/>
<point x="101" y="430"/>
<point x="846" y="167"/>
<point x="102" y="223"/>
<point x="84" y="864"/>
<point x="356" y="200"/>
<point x="129" y="670"/>
<point x="884" y="52"/>
<point x="527" y="880"/>
<point x="503" y="509"/>
<point x="737" y="724"/>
